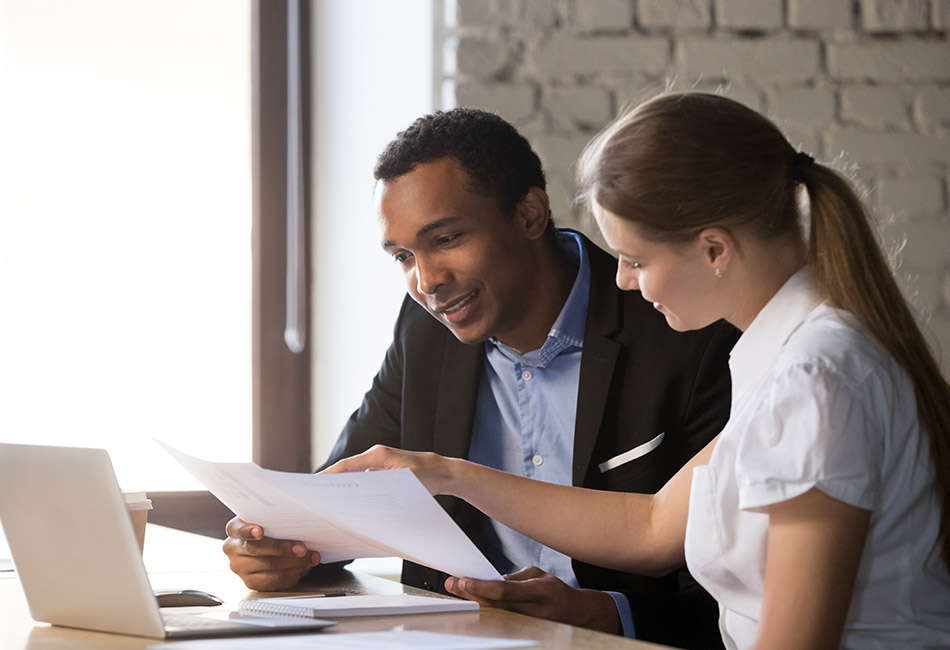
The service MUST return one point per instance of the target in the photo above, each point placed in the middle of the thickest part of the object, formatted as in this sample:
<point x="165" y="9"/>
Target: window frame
<point x="281" y="378"/>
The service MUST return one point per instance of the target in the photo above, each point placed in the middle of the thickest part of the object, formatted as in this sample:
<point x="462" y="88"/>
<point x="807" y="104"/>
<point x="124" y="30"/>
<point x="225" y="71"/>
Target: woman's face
<point x="680" y="281"/>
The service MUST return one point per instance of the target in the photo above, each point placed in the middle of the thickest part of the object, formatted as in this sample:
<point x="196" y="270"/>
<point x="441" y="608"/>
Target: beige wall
<point x="866" y="84"/>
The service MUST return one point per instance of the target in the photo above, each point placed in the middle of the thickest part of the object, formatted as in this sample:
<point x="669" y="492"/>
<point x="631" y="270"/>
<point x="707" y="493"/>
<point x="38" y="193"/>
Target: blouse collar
<point x="758" y="346"/>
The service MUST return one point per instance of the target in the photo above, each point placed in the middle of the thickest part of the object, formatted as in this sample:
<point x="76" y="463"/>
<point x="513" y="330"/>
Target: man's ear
<point x="534" y="212"/>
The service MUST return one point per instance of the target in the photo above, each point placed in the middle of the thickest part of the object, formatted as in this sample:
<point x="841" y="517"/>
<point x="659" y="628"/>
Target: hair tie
<point x="800" y="161"/>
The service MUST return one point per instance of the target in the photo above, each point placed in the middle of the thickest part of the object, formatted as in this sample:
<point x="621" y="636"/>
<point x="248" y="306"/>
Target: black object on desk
<point x="186" y="598"/>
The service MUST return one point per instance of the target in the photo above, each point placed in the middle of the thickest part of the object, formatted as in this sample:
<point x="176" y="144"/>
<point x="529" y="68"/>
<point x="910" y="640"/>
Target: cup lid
<point x="137" y="500"/>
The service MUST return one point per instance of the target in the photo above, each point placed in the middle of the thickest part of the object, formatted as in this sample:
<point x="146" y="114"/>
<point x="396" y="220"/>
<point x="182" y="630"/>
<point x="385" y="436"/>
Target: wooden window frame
<point x="281" y="380"/>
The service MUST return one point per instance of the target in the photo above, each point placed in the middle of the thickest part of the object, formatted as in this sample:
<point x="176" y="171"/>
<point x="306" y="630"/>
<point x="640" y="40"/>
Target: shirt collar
<point x="568" y="328"/>
<point x="760" y="343"/>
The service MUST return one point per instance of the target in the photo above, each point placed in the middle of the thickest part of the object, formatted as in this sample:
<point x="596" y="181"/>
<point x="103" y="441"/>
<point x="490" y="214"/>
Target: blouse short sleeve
<point x="811" y="429"/>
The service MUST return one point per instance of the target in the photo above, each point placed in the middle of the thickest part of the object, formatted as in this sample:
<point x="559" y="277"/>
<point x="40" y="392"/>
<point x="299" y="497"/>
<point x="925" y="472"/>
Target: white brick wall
<point x="748" y="14"/>
<point x="865" y="83"/>
<point x="820" y="15"/>
<point x="675" y="14"/>
<point x="891" y="15"/>
<point x="876" y="107"/>
<point x="602" y="14"/>
<point x="890" y="61"/>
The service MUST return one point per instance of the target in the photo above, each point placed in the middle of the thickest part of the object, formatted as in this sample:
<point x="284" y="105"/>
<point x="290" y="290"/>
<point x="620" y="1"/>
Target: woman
<point x="819" y="517"/>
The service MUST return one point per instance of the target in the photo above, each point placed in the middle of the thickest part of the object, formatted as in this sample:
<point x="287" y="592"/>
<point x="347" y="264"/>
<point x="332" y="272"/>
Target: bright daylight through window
<point x="125" y="230"/>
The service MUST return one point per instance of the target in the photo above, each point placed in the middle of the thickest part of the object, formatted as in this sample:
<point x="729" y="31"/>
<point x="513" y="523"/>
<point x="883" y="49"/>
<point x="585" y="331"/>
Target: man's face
<point x="463" y="259"/>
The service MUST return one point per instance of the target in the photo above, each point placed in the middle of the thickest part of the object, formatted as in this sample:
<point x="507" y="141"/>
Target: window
<point x="143" y="227"/>
<point x="125" y="230"/>
<point x="373" y="77"/>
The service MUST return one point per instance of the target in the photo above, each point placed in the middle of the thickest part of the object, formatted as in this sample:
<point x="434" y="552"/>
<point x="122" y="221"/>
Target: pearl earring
<point x="718" y="273"/>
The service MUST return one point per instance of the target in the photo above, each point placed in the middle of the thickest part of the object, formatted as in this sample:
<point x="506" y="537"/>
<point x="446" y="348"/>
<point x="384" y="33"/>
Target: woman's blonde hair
<point x="680" y="163"/>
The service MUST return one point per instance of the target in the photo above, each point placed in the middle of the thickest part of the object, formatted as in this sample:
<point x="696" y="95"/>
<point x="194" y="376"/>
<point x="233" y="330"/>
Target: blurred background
<point x="187" y="243"/>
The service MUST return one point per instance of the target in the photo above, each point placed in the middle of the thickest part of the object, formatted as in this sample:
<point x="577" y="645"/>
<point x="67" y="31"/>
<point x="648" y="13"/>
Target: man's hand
<point x="533" y="592"/>
<point x="266" y="564"/>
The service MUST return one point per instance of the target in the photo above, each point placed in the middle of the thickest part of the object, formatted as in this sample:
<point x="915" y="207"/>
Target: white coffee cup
<point x="138" y="504"/>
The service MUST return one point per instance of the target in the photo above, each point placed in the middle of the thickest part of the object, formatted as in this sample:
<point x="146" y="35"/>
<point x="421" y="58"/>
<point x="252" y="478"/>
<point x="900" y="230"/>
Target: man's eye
<point x="445" y="239"/>
<point x="400" y="258"/>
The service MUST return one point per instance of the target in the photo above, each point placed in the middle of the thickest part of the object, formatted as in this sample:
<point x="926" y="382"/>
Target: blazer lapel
<point x="599" y="357"/>
<point x="458" y="395"/>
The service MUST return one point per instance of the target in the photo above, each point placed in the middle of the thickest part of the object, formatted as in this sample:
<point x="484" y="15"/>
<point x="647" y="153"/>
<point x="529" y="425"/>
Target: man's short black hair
<point x="499" y="161"/>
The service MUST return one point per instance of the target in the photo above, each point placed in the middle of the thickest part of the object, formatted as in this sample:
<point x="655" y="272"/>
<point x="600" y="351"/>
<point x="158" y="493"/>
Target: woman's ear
<point x="719" y="247"/>
<point x="534" y="212"/>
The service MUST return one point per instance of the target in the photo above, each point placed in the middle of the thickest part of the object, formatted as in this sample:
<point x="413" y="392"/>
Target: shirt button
<point x="526" y="375"/>
<point x="537" y="460"/>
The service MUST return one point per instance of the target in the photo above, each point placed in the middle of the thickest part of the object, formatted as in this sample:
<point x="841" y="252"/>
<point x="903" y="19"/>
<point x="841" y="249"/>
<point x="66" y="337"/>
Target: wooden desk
<point x="177" y="560"/>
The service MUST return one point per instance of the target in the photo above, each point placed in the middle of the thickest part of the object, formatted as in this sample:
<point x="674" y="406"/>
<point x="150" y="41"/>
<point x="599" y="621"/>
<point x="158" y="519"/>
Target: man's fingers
<point x="533" y="592"/>
<point x="234" y="526"/>
<point x="264" y="563"/>
<point x="274" y="580"/>
<point x="252" y="553"/>
<point x="245" y="565"/>
<point x="527" y="573"/>
<point x="263" y="546"/>
<point x="493" y="591"/>
<point x="272" y="572"/>
<point x="241" y="529"/>
<point x="279" y="547"/>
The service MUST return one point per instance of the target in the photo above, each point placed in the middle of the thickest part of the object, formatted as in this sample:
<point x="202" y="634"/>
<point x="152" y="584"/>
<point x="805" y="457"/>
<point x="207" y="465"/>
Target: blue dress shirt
<point x="524" y="422"/>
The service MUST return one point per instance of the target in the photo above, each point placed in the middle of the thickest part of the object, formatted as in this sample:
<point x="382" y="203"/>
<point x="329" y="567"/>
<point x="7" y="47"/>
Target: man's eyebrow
<point x="435" y="225"/>
<point x="426" y="229"/>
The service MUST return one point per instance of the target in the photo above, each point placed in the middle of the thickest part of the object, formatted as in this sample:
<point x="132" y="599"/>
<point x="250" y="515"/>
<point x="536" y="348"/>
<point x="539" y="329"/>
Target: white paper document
<point x="388" y="640"/>
<point x="345" y="516"/>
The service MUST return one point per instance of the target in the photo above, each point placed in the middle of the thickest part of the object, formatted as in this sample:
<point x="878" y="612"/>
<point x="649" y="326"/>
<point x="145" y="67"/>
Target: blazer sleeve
<point x="688" y="617"/>
<point x="380" y="418"/>
<point x="708" y="406"/>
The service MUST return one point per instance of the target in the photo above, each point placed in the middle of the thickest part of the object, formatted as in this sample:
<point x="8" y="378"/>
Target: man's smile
<point x="455" y="310"/>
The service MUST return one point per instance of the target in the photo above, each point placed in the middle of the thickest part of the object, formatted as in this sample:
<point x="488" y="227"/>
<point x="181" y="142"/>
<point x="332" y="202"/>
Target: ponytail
<point x="850" y="270"/>
<point x="682" y="162"/>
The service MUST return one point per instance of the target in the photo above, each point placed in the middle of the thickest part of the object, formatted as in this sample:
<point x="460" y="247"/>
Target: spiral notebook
<point x="352" y="606"/>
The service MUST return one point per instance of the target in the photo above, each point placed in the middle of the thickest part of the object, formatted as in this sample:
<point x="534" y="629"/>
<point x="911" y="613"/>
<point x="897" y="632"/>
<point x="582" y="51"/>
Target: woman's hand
<point x="434" y="471"/>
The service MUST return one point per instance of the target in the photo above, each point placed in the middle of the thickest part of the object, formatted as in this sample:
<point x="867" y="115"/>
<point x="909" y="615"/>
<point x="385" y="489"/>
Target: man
<point x="518" y="351"/>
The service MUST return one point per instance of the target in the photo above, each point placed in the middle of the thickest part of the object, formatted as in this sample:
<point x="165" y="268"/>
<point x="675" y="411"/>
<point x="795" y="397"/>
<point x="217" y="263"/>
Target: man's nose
<point x="429" y="276"/>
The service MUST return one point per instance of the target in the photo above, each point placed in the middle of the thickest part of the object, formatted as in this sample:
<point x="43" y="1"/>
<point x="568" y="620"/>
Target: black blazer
<point x="638" y="378"/>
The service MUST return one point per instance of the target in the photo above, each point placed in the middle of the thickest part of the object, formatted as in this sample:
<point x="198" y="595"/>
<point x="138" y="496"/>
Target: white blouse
<point x="817" y="402"/>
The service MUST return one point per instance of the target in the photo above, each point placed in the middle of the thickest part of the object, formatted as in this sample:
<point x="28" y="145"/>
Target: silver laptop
<point x="76" y="555"/>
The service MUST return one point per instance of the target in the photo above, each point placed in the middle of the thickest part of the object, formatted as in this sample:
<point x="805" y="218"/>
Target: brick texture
<point x="564" y="55"/>
<point x="890" y="61"/>
<point x="736" y="58"/>
<point x="894" y="15"/>
<point x="941" y="14"/>
<point x="821" y="15"/>
<point x="744" y="14"/>
<point x="862" y="84"/>
<point x="603" y="14"/>
<point x="674" y="14"/>
<point x="877" y="107"/>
